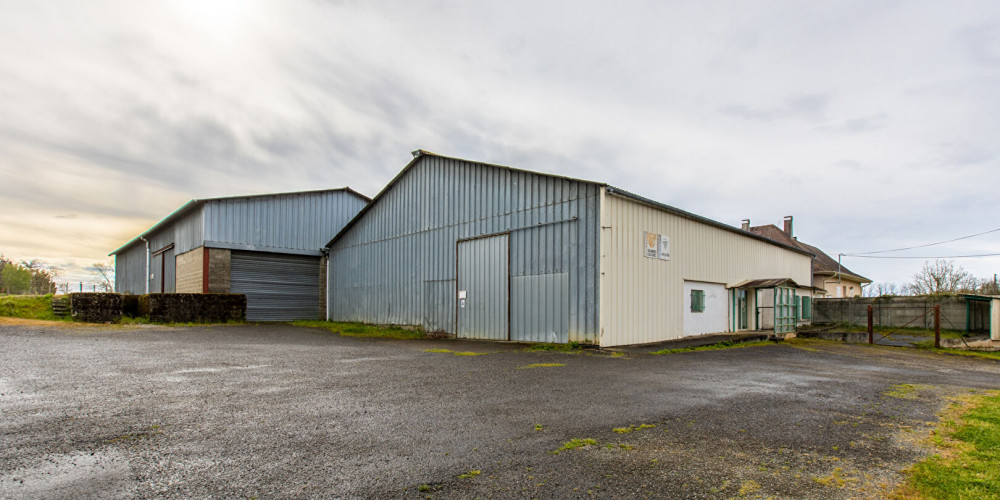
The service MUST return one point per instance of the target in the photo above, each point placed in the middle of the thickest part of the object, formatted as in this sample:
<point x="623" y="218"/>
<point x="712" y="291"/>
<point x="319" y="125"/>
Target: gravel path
<point x="272" y="411"/>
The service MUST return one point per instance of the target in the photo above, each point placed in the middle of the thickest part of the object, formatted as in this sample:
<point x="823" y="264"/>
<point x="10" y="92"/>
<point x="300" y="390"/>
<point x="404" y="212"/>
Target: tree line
<point x="942" y="277"/>
<point x="27" y="277"/>
<point x="35" y="277"/>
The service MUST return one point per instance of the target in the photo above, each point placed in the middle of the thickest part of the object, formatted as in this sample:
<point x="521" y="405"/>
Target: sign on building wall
<point x="656" y="246"/>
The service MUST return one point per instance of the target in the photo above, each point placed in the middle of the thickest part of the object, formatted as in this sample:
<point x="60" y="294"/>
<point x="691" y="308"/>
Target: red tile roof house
<point x="830" y="279"/>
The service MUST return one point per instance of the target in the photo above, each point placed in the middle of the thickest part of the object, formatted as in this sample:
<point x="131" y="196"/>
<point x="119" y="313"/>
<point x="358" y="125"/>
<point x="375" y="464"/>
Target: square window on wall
<point x="697" y="300"/>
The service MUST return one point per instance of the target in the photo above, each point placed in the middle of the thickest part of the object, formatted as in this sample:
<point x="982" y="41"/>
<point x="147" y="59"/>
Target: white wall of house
<point x="642" y="299"/>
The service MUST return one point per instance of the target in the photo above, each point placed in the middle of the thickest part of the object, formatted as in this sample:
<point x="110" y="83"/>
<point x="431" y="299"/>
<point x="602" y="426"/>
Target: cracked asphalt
<point x="276" y="411"/>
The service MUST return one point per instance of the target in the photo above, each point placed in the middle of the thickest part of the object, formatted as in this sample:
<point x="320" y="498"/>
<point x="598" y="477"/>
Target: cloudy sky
<point x="874" y="123"/>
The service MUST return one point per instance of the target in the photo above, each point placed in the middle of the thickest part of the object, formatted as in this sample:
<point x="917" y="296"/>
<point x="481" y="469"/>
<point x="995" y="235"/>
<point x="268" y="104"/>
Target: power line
<point x="862" y="254"/>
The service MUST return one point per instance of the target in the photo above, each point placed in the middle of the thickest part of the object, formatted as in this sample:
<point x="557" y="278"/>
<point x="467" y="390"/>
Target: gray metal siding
<point x="539" y="308"/>
<point x="302" y="222"/>
<point x="408" y="237"/>
<point x="485" y="280"/>
<point x="130" y="264"/>
<point x="130" y="269"/>
<point x="278" y="287"/>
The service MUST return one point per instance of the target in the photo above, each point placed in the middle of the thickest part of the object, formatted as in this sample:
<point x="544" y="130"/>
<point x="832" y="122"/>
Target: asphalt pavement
<point x="276" y="411"/>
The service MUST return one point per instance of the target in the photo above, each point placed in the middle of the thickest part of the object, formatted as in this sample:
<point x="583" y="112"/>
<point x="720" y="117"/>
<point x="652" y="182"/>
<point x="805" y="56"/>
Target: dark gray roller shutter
<point x="278" y="287"/>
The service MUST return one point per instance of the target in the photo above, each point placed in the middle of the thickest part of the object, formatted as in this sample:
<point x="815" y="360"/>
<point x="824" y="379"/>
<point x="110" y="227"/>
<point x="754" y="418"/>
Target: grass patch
<point x="456" y="353"/>
<point x="885" y="330"/>
<point x="574" y="444"/>
<point x="929" y="346"/>
<point x="471" y="474"/>
<point x="363" y="330"/>
<point x="29" y="307"/>
<point x="729" y="344"/>
<point x="572" y="347"/>
<point x="541" y="365"/>
<point x="907" y="391"/>
<point x="967" y="464"/>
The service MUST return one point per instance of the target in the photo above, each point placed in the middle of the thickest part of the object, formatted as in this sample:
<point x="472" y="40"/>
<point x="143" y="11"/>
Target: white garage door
<point x="278" y="287"/>
<point x="706" y="309"/>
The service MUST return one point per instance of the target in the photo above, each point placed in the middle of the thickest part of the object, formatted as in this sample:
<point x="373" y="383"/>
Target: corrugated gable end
<point x="396" y="261"/>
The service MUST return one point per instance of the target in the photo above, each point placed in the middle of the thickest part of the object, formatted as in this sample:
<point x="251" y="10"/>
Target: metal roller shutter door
<point x="278" y="287"/>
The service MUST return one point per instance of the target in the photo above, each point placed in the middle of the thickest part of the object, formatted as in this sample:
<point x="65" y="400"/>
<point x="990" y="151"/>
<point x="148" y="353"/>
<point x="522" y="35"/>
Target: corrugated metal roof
<point x="196" y="203"/>
<point x="768" y="283"/>
<point x="420" y="153"/>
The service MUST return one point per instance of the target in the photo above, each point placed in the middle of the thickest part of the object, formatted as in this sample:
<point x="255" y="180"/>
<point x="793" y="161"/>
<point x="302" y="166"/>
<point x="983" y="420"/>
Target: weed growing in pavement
<point x="574" y="444"/>
<point x="907" y="391"/>
<point x="729" y="344"/>
<point x="456" y="353"/>
<point x="470" y="474"/>
<point x="541" y="365"/>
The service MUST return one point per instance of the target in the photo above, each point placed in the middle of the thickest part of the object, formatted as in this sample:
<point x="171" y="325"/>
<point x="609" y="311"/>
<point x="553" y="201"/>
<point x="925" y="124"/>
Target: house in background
<point x="267" y="247"/>
<point x="491" y="252"/>
<point x="829" y="278"/>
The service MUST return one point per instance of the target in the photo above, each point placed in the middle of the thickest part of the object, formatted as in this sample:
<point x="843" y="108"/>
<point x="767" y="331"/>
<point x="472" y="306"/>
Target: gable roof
<point x="196" y="203"/>
<point x="420" y="153"/>
<point x="822" y="263"/>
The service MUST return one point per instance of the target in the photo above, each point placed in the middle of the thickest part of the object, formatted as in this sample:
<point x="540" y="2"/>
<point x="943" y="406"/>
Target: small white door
<point x="706" y="308"/>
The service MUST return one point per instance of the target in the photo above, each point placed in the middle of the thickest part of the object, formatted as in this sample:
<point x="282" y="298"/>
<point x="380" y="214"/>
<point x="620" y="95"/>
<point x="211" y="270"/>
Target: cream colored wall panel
<point x="642" y="298"/>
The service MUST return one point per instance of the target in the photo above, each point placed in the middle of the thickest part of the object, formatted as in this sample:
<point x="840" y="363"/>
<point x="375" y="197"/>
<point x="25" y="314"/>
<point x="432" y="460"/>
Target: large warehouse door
<point x="278" y="287"/>
<point x="483" y="288"/>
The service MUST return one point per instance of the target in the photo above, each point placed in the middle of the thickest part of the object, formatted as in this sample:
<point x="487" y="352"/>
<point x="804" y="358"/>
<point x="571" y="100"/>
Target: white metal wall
<point x="641" y="298"/>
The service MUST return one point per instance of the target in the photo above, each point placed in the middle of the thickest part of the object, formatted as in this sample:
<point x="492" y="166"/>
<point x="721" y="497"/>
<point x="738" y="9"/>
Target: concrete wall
<point x="911" y="312"/>
<point x="190" y="271"/>
<point x="218" y="270"/>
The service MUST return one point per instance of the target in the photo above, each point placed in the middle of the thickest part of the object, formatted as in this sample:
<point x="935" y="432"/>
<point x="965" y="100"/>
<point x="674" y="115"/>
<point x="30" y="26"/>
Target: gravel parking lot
<point x="272" y="411"/>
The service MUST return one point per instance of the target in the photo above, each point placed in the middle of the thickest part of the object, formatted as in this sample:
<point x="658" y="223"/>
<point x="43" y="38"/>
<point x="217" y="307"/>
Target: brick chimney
<point x="746" y="224"/>
<point x="788" y="226"/>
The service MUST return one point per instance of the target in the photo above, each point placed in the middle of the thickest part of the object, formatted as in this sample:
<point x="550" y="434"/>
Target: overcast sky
<point x="875" y="124"/>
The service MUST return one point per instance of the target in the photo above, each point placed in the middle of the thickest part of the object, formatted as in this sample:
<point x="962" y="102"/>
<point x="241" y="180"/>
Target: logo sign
<point x="656" y="246"/>
<point x="651" y="242"/>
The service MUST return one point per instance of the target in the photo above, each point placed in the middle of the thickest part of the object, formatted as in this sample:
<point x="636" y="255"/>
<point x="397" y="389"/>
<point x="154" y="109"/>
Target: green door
<point x="784" y="310"/>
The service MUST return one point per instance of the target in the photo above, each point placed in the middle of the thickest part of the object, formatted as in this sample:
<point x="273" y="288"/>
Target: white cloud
<point x="873" y="123"/>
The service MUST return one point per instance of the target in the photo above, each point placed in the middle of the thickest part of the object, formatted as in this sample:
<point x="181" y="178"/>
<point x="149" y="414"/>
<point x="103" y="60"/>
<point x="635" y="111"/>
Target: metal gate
<point x="784" y="310"/>
<point x="483" y="302"/>
<point x="278" y="287"/>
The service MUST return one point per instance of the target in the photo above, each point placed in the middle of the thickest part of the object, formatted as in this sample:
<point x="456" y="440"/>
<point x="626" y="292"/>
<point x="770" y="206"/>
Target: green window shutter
<point x="697" y="300"/>
<point x="807" y="308"/>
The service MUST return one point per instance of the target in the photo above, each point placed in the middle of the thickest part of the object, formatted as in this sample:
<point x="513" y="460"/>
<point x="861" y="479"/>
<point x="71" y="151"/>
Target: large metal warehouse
<point x="265" y="246"/>
<point x="492" y="252"/>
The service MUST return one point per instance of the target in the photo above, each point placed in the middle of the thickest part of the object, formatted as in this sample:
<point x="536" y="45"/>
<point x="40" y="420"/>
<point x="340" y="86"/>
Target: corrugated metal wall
<point x="278" y="287"/>
<point x="130" y="264"/>
<point x="397" y="264"/>
<point x="484" y="280"/>
<point x="642" y="298"/>
<point x="303" y="222"/>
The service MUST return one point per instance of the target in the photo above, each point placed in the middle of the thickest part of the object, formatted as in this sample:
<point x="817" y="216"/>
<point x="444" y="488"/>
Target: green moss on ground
<point x="363" y="330"/>
<point x="715" y="347"/>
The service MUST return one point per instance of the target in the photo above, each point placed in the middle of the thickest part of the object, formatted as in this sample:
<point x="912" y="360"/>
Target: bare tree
<point x="882" y="290"/>
<point x="106" y="276"/>
<point x="942" y="277"/>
